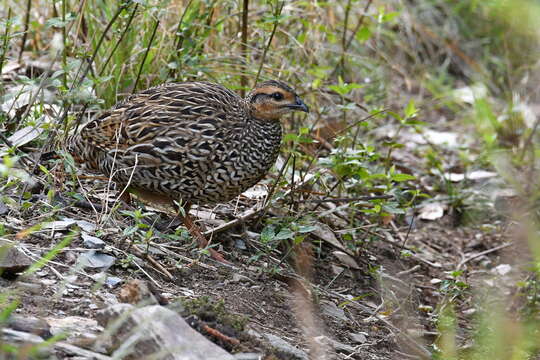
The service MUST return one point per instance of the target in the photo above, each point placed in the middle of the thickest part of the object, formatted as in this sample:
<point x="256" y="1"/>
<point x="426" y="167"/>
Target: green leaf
<point x="344" y="88"/>
<point x="402" y="177"/>
<point x="306" y="228"/>
<point x="410" y="110"/>
<point x="363" y="34"/>
<point x="130" y="230"/>
<point x="267" y="234"/>
<point x="290" y="137"/>
<point x="284" y="234"/>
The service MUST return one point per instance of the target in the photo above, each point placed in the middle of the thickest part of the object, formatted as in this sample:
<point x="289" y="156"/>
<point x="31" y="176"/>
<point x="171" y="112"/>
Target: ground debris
<point x="154" y="329"/>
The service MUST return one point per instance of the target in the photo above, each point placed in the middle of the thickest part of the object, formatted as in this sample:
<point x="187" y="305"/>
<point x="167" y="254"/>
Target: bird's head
<point x="272" y="99"/>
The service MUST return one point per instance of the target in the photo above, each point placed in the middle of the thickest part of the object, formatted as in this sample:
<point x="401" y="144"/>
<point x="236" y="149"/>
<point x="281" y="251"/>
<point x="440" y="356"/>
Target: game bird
<point x="189" y="143"/>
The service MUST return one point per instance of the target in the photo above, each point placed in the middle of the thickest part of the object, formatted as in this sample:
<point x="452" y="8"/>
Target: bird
<point x="188" y="143"/>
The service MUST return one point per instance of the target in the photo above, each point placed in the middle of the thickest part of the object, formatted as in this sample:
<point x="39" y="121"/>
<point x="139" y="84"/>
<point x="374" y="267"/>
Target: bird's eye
<point x="277" y="96"/>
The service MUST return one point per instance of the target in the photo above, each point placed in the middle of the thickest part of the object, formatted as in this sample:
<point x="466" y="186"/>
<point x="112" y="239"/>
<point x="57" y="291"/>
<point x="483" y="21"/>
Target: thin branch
<point x="489" y="251"/>
<point x="361" y="198"/>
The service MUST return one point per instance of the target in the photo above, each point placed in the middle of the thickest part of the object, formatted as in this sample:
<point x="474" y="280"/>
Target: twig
<point x="408" y="271"/>
<point x="220" y="336"/>
<point x="489" y="251"/>
<point x="153" y="261"/>
<point x="361" y="120"/>
<point x="361" y="198"/>
<point x="175" y="254"/>
<point x="239" y="220"/>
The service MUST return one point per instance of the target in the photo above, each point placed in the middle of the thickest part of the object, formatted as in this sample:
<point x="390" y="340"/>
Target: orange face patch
<point x="288" y="96"/>
<point x="266" y="111"/>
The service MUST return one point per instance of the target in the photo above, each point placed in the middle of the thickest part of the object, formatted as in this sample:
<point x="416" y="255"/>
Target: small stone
<point x="75" y="327"/>
<point x="286" y="349"/>
<point x="48" y="282"/>
<point x="12" y="260"/>
<point x="113" y="281"/>
<point x="502" y="269"/>
<point x="86" y="226"/>
<point x="21" y="338"/>
<point x="96" y="260"/>
<point x="358" y="338"/>
<point x="3" y="208"/>
<point x="330" y="309"/>
<point x="144" y="332"/>
<point x="33" y="288"/>
<point x="30" y="324"/>
<point x="241" y="278"/>
<point x="240" y="244"/>
<point x="92" y="242"/>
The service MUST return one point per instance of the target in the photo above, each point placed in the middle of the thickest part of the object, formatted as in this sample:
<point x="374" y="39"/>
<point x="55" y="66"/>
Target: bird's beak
<point x="299" y="105"/>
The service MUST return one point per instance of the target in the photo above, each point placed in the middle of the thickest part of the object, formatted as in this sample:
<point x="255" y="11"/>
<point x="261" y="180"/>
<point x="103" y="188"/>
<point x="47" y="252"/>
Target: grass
<point x="405" y="63"/>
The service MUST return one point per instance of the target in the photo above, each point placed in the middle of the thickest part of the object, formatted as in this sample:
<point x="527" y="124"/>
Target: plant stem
<point x="145" y="56"/>
<point x="243" y="47"/>
<point x="64" y="46"/>
<point x="5" y="42"/>
<point x="25" y="31"/>
<point x="276" y="21"/>
<point x="344" y="37"/>
<point x="358" y="25"/>
<point x="179" y="38"/>
<point x="126" y="28"/>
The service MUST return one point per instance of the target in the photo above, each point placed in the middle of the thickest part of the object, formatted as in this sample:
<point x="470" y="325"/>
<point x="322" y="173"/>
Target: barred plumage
<point x="197" y="142"/>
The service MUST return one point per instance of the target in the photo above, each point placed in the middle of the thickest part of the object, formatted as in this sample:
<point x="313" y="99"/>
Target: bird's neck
<point x="260" y="143"/>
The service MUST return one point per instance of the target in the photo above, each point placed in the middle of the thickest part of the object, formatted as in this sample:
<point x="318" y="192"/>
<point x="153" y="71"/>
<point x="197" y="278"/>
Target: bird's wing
<point x="173" y="126"/>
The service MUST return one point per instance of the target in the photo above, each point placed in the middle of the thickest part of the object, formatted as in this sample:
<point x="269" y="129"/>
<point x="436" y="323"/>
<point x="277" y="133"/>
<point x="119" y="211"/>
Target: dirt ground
<point x="389" y="299"/>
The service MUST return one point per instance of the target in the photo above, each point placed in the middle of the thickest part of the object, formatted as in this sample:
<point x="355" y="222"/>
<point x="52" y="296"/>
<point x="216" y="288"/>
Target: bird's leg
<point x="195" y="231"/>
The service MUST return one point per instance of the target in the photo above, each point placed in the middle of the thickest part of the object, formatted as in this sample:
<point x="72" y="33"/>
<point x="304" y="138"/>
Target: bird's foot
<point x="216" y="255"/>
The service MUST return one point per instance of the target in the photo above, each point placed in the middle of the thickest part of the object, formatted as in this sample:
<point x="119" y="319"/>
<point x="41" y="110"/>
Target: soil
<point x="389" y="298"/>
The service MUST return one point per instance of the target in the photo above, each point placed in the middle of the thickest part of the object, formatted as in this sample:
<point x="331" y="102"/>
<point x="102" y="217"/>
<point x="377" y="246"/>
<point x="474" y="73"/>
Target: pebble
<point x="285" y="348"/>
